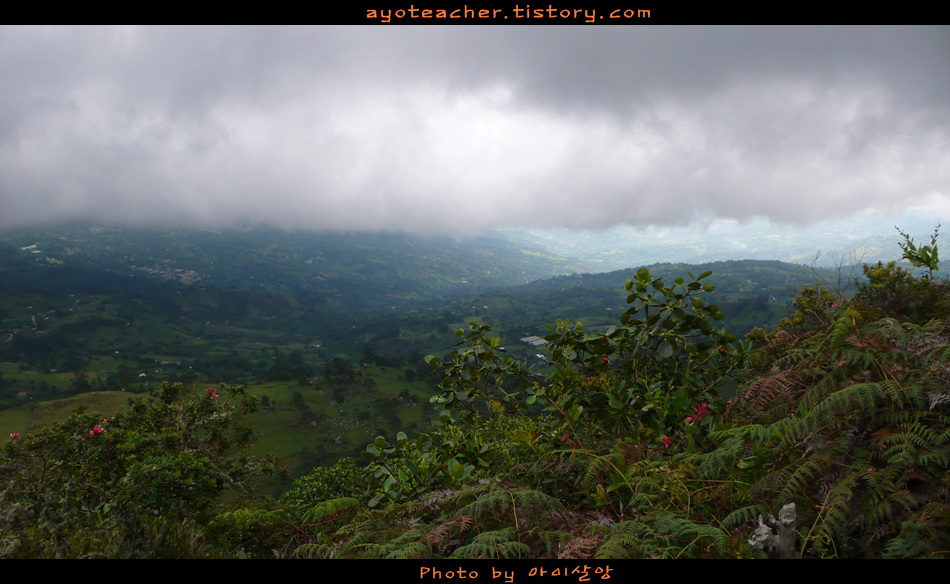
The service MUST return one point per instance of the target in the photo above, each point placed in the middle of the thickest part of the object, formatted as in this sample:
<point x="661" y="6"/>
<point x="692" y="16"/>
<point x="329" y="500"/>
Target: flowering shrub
<point x="95" y="430"/>
<point x="665" y="354"/>
<point x="75" y="489"/>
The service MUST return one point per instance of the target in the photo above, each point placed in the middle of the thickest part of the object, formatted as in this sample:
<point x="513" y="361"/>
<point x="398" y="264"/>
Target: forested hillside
<point x="663" y="435"/>
<point x="351" y="271"/>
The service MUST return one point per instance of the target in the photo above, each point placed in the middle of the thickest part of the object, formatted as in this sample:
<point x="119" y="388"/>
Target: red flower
<point x="700" y="412"/>
<point x="667" y="442"/>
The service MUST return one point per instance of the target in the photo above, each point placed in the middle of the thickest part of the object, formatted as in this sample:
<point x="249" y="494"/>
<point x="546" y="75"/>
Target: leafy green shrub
<point x="479" y="380"/>
<point x="650" y="377"/>
<point x="923" y="257"/>
<point x="343" y="479"/>
<point x="254" y="527"/>
<point x="894" y="291"/>
<point x="118" y="487"/>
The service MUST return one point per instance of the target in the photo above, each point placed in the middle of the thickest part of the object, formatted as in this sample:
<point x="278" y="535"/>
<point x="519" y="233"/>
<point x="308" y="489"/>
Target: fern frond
<point x="315" y="551"/>
<point x="918" y="539"/>
<point x="580" y="548"/>
<point x="412" y="550"/>
<point x="627" y="540"/>
<point x="526" y="503"/>
<point x="839" y="330"/>
<point x="801" y="479"/>
<point x="745" y="515"/>
<point x="554" y="539"/>
<point x="493" y="544"/>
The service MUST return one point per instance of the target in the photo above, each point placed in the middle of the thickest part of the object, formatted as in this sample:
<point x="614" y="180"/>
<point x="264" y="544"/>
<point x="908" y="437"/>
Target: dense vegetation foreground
<point x="664" y="437"/>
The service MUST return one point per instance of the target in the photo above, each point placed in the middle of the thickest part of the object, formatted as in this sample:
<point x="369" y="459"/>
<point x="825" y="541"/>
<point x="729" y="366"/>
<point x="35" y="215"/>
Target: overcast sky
<point x="459" y="130"/>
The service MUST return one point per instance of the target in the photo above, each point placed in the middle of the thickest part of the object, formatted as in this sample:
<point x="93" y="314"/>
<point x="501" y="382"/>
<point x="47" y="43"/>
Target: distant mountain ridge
<point x="359" y="271"/>
<point x="352" y="272"/>
<point x="367" y="271"/>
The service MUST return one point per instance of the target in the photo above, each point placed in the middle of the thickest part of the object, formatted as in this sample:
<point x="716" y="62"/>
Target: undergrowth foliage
<point x="630" y="444"/>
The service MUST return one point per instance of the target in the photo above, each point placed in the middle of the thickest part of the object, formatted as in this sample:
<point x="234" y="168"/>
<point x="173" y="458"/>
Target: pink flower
<point x="667" y="442"/>
<point x="15" y="436"/>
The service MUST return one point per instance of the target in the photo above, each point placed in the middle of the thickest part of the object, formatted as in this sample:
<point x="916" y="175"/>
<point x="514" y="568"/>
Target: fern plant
<point x="855" y="432"/>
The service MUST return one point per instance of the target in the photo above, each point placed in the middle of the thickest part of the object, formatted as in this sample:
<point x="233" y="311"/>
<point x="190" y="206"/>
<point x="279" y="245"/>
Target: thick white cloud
<point x="461" y="130"/>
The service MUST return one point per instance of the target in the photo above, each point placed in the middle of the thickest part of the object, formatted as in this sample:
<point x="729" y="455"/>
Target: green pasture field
<point x="342" y="429"/>
<point x="31" y="416"/>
